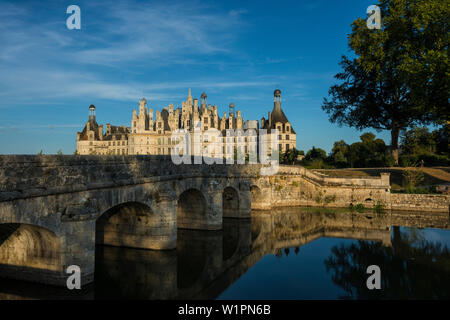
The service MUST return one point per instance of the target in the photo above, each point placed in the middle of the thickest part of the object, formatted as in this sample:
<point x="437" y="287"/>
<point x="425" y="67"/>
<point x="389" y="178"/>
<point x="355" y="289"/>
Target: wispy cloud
<point x="164" y="30"/>
<point x="43" y="60"/>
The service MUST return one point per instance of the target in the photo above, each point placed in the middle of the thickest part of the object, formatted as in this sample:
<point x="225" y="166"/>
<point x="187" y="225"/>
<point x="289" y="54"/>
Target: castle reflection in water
<point x="206" y="263"/>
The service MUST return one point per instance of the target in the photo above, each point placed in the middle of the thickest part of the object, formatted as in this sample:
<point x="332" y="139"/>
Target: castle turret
<point x="91" y="112"/>
<point x="203" y="98"/>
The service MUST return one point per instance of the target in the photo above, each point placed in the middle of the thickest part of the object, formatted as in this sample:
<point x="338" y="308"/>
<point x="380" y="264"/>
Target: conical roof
<point x="278" y="114"/>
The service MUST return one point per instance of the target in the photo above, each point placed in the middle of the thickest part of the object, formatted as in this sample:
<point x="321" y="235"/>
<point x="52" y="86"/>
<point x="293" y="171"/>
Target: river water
<point x="291" y="253"/>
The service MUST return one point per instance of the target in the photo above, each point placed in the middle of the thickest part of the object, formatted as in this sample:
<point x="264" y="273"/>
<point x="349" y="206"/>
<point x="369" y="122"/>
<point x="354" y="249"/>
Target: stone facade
<point x="92" y="140"/>
<point x="155" y="135"/>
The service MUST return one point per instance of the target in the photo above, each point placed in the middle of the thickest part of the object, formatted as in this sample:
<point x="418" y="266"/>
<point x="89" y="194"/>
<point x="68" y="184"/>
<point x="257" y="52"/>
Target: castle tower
<point x="277" y="96"/>
<point x="203" y="99"/>
<point x="277" y="115"/>
<point x="91" y="112"/>
<point x="278" y="120"/>
<point x="142" y="115"/>
<point x="189" y="99"/>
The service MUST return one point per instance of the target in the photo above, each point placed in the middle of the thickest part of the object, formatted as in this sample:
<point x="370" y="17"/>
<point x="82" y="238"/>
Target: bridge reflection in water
<point x="206" y="263"/>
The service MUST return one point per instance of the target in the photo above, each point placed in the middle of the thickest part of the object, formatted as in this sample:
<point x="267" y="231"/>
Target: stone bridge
<point x="54" y="209"/>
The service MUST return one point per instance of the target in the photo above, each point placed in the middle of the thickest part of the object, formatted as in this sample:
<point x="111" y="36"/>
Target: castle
<point x="151" y="135"/>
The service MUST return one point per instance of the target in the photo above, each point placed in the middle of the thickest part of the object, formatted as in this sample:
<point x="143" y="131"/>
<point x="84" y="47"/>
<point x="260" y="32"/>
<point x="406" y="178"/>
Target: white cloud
<point x="42" y="60"/>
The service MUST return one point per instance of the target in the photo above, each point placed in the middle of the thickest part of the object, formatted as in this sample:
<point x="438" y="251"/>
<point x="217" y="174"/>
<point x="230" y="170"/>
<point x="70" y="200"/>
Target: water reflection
<point x="413" y="267"/>
<point x="415" y="263"/>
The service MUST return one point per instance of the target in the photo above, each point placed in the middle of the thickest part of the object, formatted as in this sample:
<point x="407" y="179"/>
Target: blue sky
<point x="235" y="51"/>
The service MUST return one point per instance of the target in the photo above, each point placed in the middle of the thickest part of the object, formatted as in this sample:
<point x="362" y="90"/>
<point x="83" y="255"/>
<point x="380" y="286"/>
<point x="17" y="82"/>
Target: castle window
<point x="280" y="147"/>
<point x="287" y="147"/>
<point x="279" y="128"/>
<point x="287" y="128"/>
<point x="134" y="124"/>
<point x="287" y="137"/>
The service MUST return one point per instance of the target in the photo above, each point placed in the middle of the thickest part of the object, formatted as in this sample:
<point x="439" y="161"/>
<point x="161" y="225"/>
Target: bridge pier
<point x="77" y="243"/>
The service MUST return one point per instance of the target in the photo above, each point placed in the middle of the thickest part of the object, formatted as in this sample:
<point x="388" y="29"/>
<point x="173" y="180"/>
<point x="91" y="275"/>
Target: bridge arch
<point x="192" y="209"/>
<point x="26" y="248"/>
<point x="230" y="202"/>
<point x="129" y="224"/>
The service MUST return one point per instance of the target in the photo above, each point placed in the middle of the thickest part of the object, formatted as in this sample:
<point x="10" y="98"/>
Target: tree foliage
<point x="412" y="268"/>
<point x="399" y="76"/>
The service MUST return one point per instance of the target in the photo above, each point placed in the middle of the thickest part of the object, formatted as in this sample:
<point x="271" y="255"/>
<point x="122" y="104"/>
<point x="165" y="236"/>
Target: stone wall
<point x="420" y="202"/>
<point x="300" y="187"/>
<point x="24" y="177"/>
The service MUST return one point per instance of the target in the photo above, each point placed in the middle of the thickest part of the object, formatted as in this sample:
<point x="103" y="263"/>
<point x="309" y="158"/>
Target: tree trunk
<point x="395" y="132"/>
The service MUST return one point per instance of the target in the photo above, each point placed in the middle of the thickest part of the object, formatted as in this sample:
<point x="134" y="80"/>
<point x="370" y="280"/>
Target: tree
<point x="315" y="154"/>
<point x="290" y="156"/>
<point x="412" y="268"/>
<point x="417" y="141"/>
<point x="339" y="154"/>
<point x="369" y="152"/>
<point x="400" y="74"/>
<point x="441" y="137"/>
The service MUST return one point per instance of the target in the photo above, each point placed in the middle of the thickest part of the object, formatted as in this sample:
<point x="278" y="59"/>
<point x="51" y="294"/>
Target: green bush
<point x="429" y="160"/>
<point x="358" y="208"/>
<point x="378" y="207"/>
